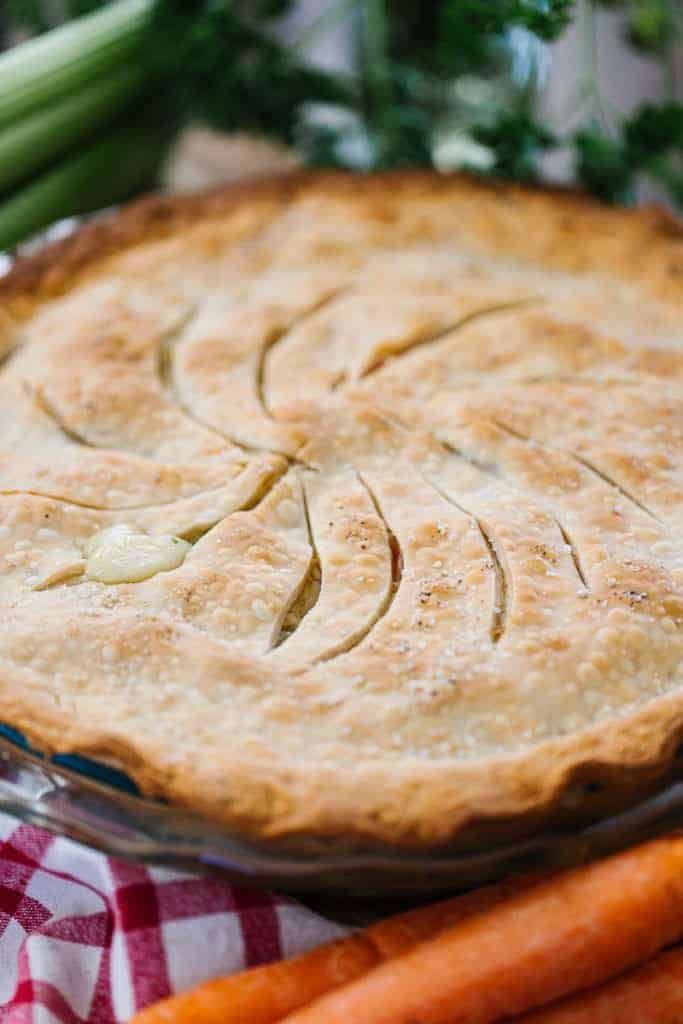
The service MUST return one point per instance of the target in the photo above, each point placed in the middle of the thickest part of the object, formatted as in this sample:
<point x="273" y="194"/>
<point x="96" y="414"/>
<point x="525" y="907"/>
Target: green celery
<point x="42" y="137"/>
<point x="43" y="70"/>
<point x="109" y="171"/>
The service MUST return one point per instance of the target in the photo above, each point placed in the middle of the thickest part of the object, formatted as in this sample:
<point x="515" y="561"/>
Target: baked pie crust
<point x="350" y="508"/>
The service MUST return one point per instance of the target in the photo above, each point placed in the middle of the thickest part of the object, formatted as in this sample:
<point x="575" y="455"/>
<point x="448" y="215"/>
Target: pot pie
<point x="345" y="508"/>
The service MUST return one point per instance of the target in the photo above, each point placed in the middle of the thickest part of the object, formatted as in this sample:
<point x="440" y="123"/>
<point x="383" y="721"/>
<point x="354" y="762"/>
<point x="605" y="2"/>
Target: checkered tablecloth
<point x="85" y="939"/>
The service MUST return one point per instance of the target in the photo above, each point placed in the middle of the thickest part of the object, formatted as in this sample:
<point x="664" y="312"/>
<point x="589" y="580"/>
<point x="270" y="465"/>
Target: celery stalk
<point x="109" y="171"/>
<point x="42" y="70"/>
<point x="42" y="137"/>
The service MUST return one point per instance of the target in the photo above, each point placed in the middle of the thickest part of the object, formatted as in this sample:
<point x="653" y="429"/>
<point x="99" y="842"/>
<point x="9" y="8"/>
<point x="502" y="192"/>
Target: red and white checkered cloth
<point x="85" y="939"/>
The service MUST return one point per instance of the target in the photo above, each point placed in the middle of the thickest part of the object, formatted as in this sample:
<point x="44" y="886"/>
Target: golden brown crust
<point x="55" y="266"/>
<point x="424" y="436"/>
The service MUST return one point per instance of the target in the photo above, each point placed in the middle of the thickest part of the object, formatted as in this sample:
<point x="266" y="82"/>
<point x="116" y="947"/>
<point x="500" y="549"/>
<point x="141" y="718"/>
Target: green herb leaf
<point x="652" y="25"/>
<point x="517" y="140"/>
<point x="654" y="129"/>
<point x="231" y="72"/>
<point x="603" y="166"/>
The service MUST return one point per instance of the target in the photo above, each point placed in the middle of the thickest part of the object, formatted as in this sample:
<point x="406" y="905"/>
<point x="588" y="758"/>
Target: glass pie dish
<point x="99" y="806"/>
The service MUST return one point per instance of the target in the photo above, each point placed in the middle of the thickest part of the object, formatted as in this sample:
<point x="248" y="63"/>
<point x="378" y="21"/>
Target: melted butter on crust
<point x="121" y="555"/>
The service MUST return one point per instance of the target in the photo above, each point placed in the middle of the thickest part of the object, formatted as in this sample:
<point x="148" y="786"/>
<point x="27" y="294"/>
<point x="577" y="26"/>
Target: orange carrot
<point x="264" y="995"/>
<point x="395" y="935"/>
<point x="566" y="934"/>
<point x="652" y="994"/>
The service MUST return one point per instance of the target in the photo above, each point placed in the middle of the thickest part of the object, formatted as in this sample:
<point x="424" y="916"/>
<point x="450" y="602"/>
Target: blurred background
<point x="100" y="101"/>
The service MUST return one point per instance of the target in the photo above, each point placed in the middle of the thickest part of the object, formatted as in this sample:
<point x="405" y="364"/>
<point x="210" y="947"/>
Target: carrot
<point x="264" y="995"/>
<point x="652" y="994"/>
<point x="394" y="935"/>
<point x="566" y="934"/>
